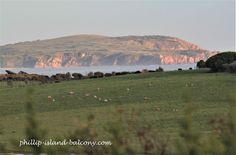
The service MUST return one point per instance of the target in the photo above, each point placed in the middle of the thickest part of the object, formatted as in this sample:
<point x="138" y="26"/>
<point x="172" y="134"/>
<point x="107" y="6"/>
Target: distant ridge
<point x="97" y="50"/>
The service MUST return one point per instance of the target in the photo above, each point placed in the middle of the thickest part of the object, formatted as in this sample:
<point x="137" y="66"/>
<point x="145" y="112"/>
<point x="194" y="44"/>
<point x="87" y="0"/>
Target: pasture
<point x="158" y="99"/>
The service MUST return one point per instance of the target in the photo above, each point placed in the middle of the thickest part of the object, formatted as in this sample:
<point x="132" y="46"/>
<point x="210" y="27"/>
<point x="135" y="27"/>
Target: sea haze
<point x="104" y="69"/>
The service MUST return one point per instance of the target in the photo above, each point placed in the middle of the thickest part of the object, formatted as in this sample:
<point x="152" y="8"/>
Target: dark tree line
<point x="220" y="62"/>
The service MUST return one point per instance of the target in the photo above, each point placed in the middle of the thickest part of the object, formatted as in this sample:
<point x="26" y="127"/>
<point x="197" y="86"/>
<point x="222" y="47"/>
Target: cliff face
<point x="90" y="50"/>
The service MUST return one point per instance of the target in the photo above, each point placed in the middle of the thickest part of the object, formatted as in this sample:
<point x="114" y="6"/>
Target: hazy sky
<point x="207" y="23"/>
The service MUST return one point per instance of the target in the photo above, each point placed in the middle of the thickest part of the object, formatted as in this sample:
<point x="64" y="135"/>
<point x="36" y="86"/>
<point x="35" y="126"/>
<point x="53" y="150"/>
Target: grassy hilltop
<point x="94" y="50"/>
<point x="157" y="99"/>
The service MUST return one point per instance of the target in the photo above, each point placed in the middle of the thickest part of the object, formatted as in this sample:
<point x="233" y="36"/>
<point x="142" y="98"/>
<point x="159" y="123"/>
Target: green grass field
<point x="157" y="98"/>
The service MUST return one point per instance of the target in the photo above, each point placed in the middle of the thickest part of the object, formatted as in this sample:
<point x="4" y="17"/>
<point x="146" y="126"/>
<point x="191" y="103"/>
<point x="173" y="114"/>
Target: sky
<point x="207" y="23"/>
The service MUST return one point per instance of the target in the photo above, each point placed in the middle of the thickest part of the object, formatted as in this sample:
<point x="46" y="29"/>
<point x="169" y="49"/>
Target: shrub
<point x="201" y="64"/>
<point x="68" y="76"/>
<point x="53" y="77"/>
<point x="124" y="73"/>
<point x="22" y="72"/>
<point x="216" y="62"/>
<point x="137" y="72"/>
<point x="61" y="76"/>
<point x="90" y="74"/>
<point x="98" y="74"/>
<point x="159" y="69"/>
<point x="108" y="74"/>
<point x="77" y="76"/>
<point x="10" y="72"/>
<point x="144" y="71"/>
<point x="117" y="73"/>
<point x="151" y="71"/>
<point x="113" y="73"/>
<point x="231" y="68"/>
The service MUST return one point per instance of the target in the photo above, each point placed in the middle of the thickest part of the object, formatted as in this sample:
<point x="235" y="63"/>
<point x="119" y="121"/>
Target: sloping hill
<point x="86" y="50"/>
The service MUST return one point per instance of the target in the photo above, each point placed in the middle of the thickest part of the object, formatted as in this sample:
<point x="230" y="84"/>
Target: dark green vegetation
<point x="201" y="64"/>
<point x="25" y="77"/>
<point x="148" y="107"/>
<point x="220" y="62"/>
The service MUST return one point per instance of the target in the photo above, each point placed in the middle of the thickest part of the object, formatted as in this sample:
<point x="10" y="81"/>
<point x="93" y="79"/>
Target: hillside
<point x="157" y="99"/>
<point x="92" y="50"/>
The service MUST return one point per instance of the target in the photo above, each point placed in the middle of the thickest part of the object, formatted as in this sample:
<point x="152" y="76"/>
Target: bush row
<point x="23" y="76"/>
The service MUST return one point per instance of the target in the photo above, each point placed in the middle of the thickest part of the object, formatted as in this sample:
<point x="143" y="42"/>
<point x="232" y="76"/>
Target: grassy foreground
<point x="157" y="99"/>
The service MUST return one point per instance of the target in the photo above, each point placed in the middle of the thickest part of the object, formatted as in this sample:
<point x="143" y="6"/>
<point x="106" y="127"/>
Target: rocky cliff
<point x="92" y="50"/>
